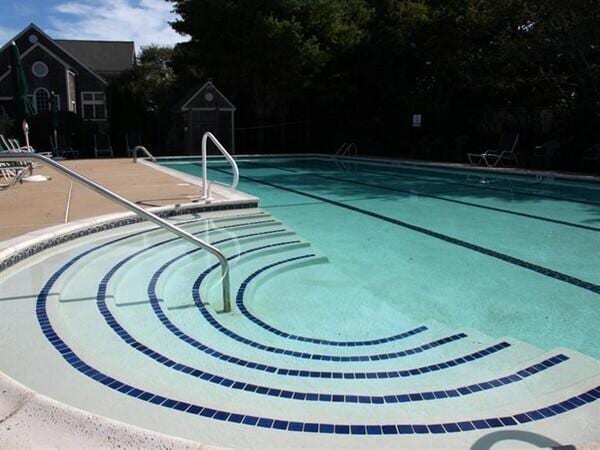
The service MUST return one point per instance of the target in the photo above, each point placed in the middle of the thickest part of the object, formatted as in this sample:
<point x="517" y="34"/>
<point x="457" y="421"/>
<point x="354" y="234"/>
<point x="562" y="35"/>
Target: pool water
<point x="508" y="255"/>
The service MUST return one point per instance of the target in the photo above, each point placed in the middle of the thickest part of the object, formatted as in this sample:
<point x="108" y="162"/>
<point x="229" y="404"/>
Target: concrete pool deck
<point x="29" y="207"/>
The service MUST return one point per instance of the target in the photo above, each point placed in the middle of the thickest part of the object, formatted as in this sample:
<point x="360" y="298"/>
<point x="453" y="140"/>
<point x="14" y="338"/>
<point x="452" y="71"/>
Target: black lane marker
<point x="559" y="276"/>
<point x="488" y="188"/>
<point x="444" y="199"/>
<point x="458" y="183"/>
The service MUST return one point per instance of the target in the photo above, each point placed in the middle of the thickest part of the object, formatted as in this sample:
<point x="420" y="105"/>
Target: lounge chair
<point x="11" y="172"/>
<point x="505" y="151"/>
<point x="131" y="142"/>
<point x="546" y="152"/>
<point x="61" y="149"/>
<point x="102" y="145"/>
<point x="14" y="146"/>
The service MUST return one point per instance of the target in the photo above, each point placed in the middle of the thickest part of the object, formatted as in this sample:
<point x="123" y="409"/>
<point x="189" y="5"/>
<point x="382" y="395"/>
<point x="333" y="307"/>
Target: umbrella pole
<point x="26" y="133"/>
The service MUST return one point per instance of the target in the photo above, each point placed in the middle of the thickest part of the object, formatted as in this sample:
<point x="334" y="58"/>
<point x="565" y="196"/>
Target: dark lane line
<point x="489" y="188"/>
<point x="445" y="199"/>
<point x="431" y="178"/>
<point x="559" y="276"/>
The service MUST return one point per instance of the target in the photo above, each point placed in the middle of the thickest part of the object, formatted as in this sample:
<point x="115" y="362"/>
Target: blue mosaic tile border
<point x="53" y="242"/>
<point x="81" y="366"/>
<point x="558" y="276"/>
<point x="304" y="355"/>
<point x="151" y="398"/>
<point x="308" y="396"/>
<point x="242" y="307"/>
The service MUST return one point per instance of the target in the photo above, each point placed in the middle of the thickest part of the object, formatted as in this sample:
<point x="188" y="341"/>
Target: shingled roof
<point x="108" y="58"/>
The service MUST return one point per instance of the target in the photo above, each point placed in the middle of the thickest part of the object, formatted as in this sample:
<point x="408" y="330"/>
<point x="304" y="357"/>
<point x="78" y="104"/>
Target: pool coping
<point x="23" y="410"/>
<point x="17" y="249"/>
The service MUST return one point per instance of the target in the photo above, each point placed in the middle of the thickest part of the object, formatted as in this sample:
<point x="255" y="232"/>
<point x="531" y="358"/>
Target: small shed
<point x="207" y="109"/>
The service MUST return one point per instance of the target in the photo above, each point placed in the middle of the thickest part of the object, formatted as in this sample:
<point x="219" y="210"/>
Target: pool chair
<point x="13" y="145"/>
<point x="61" y="149"/>
<point x="505" y="151"/>
<point x="11" y="172"/>
<point x="546" y="152"/>
<point x="102" y="145"/>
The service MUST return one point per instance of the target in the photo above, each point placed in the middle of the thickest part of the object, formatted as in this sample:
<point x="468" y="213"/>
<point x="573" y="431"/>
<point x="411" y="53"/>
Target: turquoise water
<point x="509" y="256"/>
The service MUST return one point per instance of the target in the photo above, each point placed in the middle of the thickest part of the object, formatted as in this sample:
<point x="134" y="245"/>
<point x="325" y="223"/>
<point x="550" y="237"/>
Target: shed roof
<point x="206" y="97"/>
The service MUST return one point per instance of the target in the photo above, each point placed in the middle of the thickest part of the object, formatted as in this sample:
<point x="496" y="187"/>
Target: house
<point x="77" y="71"/>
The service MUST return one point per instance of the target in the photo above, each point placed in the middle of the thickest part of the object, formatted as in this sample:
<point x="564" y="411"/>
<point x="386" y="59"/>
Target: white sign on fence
<point x="417" y="120"/>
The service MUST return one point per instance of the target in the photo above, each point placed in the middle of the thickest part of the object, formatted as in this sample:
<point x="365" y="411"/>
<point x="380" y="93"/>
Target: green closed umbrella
<point x="54" y="110"/>
<point x="24" y="106"/>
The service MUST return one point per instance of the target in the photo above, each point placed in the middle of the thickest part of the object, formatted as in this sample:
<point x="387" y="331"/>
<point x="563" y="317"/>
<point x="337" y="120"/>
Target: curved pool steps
<point x="202" y="392"/>
<point x="143" y="240"/>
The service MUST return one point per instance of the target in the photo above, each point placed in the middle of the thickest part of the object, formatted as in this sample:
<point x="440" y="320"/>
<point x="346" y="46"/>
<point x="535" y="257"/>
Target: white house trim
<point x="185" y="105"/>
<point x="34" y="27"/>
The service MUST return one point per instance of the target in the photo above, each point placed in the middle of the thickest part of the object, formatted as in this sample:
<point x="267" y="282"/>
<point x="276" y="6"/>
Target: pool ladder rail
<point x="347" y="149"/>
<point x="137" y="210"/>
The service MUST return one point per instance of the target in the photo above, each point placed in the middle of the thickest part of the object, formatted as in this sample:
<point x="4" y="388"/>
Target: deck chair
<point x="131" y="142"/>
<point x="61" y="149"/>
<point x="546" y="152"/>
<point x="15" y="146"/>
<point x="505" y="151"/>
<point x="102" y="145"/>
<point x="11" y="172"/>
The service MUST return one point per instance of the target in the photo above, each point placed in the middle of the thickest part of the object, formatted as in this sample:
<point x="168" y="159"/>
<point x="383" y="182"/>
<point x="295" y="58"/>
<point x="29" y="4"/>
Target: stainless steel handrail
<point x="236" y="171"/>
<point x="144" y="150"/>
<point x="137" y="210"/>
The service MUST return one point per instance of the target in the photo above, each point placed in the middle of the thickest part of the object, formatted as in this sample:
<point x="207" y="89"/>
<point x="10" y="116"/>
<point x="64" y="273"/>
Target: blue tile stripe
<point x="432" y="196"/>
<point x="84" y="368"/>
<point x="377" y="341"/>
<point x="151" y="398"/>
<point x="242" y="307"/>
<point x="304" y="355"/>
<point x="558" y="276"/>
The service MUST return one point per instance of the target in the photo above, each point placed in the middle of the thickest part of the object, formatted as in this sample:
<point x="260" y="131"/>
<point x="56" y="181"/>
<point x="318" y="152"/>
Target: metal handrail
<point x="144" y="150"/>
<point x="137" y="210"/>
<point x="236" y="172"/>
<point x="347" y="148"/>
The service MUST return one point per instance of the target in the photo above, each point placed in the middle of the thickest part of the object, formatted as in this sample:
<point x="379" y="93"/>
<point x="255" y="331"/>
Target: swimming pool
<point x="508" y="255"/>
<point x="375" y="304"/>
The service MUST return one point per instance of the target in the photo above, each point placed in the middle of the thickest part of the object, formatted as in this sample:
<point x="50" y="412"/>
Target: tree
<point x="141" y="100"/>
<point x="268" y="52"/>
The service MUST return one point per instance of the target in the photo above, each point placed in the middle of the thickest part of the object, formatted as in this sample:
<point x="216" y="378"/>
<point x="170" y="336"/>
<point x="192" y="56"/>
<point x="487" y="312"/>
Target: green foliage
<point x="371" y="63"/>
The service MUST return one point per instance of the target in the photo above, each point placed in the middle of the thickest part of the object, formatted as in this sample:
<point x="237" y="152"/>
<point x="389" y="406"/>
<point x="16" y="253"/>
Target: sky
<point x="143" y="21"/>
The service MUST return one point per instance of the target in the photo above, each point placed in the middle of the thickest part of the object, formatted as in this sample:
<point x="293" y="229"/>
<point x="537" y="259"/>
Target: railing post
<point x="236" y="172"/>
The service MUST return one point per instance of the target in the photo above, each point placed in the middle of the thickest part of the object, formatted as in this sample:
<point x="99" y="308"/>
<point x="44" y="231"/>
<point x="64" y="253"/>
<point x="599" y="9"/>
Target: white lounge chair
<point x="505" y="151"/>
<point x="102" y="145"/>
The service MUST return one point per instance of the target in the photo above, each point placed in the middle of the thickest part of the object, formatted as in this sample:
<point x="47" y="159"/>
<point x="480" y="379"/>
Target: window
<point x="71" y="95"/>
<point x="93" y="105"/>
<point x="39" y="69"/>
<point x="41" y="100"/>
